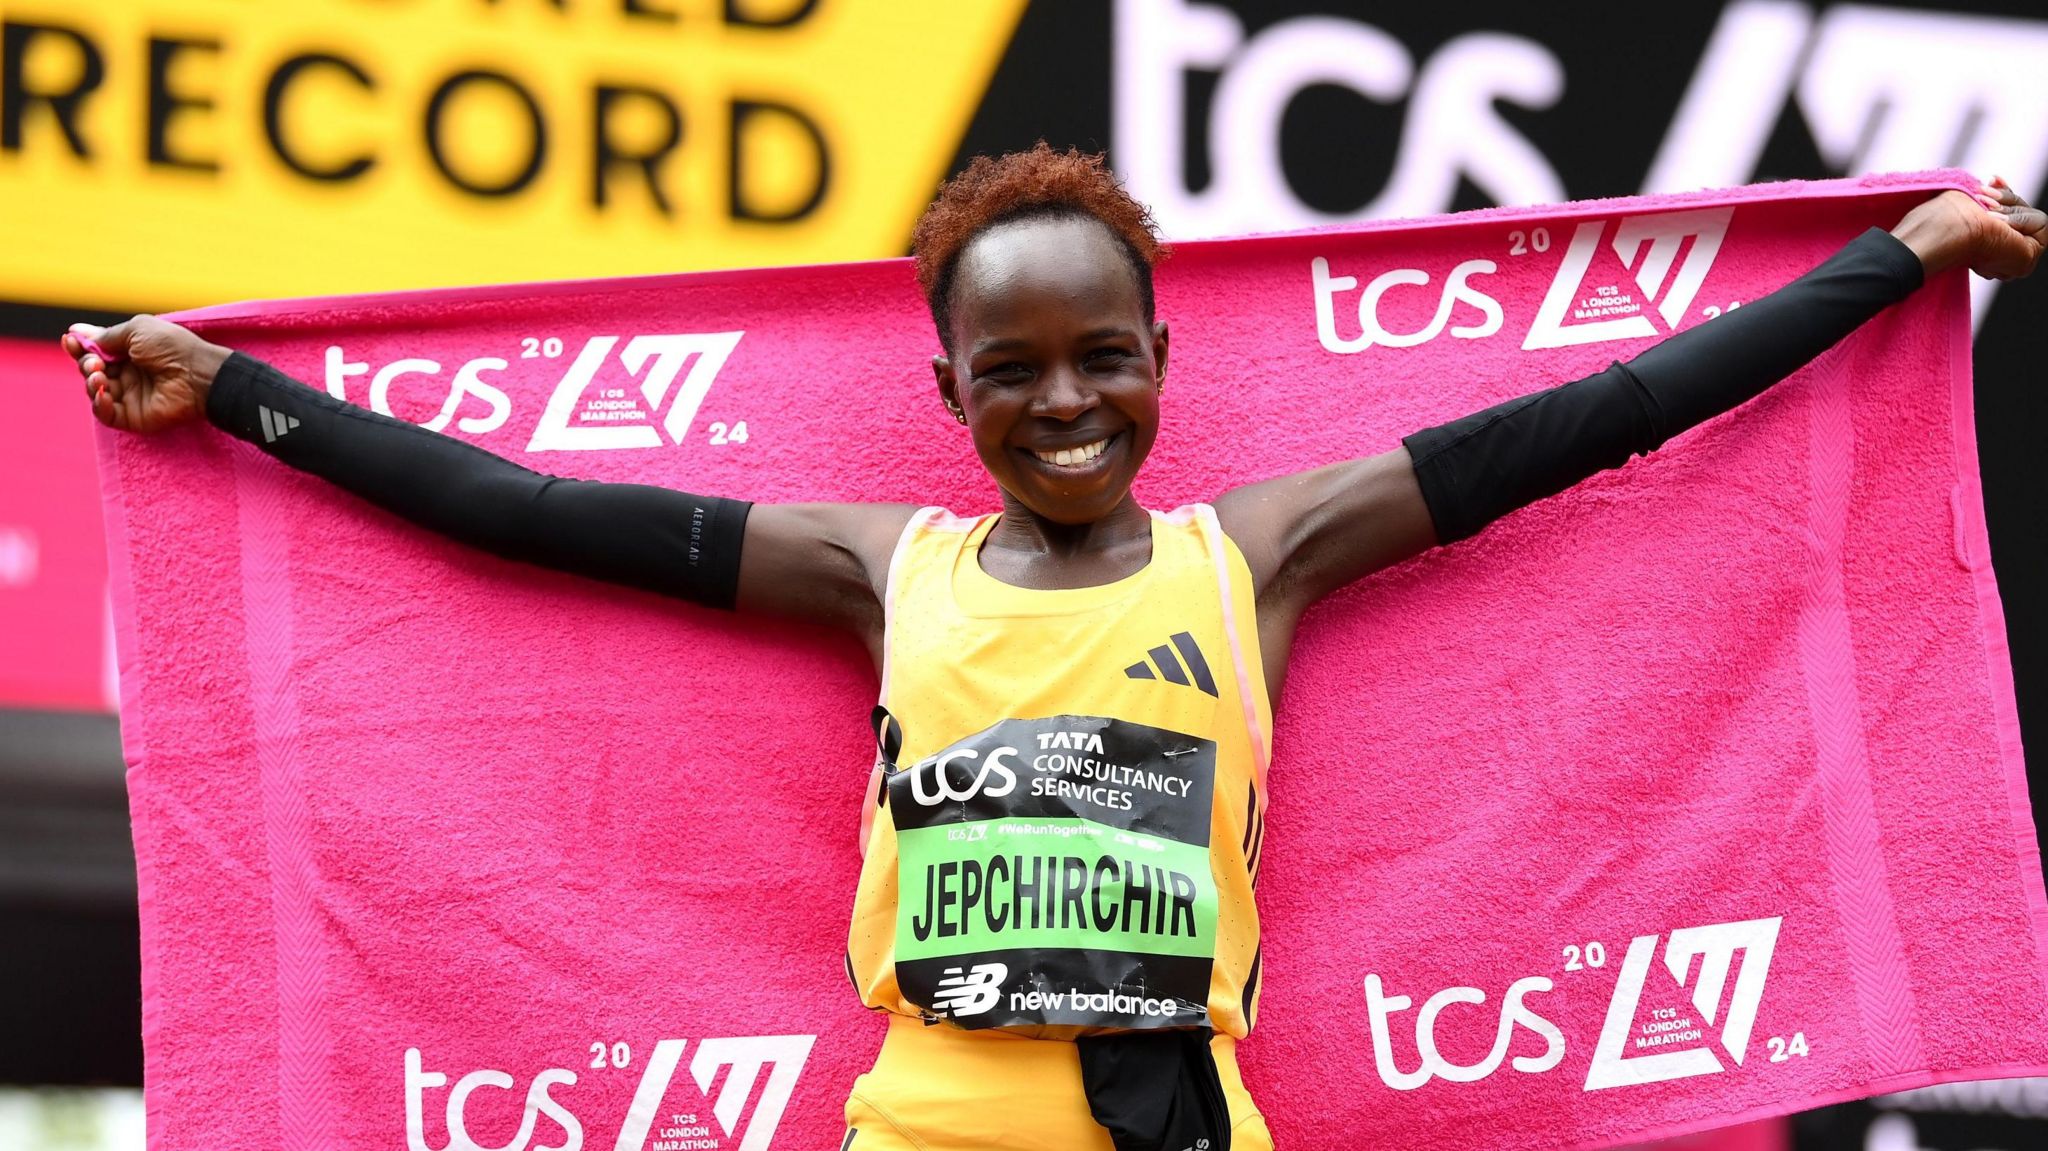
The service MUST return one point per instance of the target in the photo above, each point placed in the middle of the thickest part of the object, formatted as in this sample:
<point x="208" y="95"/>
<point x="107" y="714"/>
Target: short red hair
<point x="1021" y="185"/>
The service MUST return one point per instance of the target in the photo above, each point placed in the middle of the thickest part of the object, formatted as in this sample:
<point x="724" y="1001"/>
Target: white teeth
<point x="1068" y="457"/>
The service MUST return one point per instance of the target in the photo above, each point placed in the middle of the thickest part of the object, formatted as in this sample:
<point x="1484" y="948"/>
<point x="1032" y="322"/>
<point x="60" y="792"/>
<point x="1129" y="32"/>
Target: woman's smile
<point x="1079" y="460"/>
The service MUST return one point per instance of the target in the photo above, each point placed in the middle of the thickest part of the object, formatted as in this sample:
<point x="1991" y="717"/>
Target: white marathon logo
<point x="574" y="419"/>
<point x="744" y="1060"/>
<point x="1657" y="238"/>
<point x="1714" y="946"/>
<point x="662" y="357"/>
<point x="972" y="993"/>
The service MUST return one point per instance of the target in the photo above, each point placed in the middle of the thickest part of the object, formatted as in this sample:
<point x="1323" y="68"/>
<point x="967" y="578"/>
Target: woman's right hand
<point x="159" y="376"/>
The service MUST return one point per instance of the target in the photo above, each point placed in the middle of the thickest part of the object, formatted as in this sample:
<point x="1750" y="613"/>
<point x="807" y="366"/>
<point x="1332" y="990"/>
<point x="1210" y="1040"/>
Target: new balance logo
<point x="972" y="993"/>
<point x="1171" y="669"/>
<point x="275" y="424"/>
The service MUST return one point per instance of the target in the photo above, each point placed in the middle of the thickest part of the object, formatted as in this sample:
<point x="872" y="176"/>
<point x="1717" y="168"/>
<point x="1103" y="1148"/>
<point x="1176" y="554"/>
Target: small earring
<point x="958" y="414"/>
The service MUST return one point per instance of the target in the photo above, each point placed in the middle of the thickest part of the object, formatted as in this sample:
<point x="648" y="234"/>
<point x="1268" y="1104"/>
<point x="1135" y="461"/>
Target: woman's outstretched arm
<point x="812" y="561"/>
<point x="1308" y="534"/>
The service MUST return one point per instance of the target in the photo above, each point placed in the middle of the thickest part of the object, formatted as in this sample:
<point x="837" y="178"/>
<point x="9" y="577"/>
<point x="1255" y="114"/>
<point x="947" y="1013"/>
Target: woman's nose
<point x="1064" y="395"/>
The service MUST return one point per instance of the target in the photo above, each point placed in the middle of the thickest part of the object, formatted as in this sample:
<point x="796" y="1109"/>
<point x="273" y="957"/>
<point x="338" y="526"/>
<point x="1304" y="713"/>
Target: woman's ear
<point x="949" y="387"/>
<point x="1159" y="353"/>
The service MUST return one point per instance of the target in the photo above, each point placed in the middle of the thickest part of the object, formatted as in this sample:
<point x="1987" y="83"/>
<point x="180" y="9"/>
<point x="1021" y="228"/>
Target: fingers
<point x="115" y="339"/>
<point x="1999" y="197"/>
<point x="110" y="343"/>
<point x="2001" y="194"/>
<point x="103" y="373"/>
<point x="92" y="373"/>
<point x="2024" y="220"/>
<point x="82" y="357"/>
<point x="83" y="343"/>
<point x="1996" y="194"/>
<point x="104" y="409"/>
<point x="117" y="405"/>
<point x="123" y="381"/>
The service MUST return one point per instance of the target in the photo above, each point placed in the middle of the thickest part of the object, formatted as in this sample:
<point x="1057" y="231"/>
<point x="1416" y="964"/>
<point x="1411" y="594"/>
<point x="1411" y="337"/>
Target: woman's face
<point x="1052" y="359"/>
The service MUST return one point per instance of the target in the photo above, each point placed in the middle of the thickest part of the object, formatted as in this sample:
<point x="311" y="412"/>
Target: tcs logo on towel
<point x="1628" y="1051"/>
<point x="592" y="407"/>
<point x="650" y="1124"/>
<point x="1665" y="255"/>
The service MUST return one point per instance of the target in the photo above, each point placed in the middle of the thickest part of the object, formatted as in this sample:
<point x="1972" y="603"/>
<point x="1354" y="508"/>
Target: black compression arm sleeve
<point x="665" y="541"/>
<point x="1474" y="470"/>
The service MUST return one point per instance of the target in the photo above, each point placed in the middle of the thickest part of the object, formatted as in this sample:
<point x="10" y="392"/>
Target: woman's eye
<point x="1108" y="357"/>
<point x="1004" y="372"/>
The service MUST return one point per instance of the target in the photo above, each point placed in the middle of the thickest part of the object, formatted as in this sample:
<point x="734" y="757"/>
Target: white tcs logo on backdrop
<point x="782" y="1057"/>
<point x="1880" y="89"/>
<point x="1452" y="129"/>
<point x="575" y="418"/>
<point x="1612" y="1065"/>
<point x="1572" y="312"/>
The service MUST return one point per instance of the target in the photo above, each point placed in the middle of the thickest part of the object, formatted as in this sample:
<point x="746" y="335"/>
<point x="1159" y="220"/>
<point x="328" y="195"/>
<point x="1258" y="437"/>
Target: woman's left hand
<point x="1996" y="234"/>
<point x="2010" y="244"/>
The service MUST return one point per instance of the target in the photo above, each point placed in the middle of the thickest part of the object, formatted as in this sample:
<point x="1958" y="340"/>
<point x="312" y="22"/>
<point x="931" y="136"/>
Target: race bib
<point x="1055" y="872"/>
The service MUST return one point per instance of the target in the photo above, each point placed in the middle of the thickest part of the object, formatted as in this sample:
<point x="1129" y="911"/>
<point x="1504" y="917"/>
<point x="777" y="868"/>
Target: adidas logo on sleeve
<point x="1171" y="669"/>
<point x="275" y="424"/>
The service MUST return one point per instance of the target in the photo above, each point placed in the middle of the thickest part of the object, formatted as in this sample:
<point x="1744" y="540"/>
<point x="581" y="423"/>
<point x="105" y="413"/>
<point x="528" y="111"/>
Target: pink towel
<point x="1694" y="794"/>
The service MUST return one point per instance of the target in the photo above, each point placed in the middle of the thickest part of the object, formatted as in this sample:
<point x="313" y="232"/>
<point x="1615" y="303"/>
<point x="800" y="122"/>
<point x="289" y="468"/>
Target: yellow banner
<point x="166" y="154"/>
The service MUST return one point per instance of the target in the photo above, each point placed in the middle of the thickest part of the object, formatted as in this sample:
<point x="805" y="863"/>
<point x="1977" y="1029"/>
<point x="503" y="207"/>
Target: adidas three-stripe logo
<point x="1170" y="669"/>
<point x="275" y="424"/>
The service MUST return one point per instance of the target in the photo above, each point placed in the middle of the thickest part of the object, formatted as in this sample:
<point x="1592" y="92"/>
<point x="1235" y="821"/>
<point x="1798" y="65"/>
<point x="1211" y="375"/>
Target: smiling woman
<point x="1056" y="370"/>
<point x="1076" y="691"/>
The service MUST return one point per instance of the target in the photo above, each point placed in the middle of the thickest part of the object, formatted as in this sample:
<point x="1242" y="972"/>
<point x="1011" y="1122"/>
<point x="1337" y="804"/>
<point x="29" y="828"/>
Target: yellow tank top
<point x="1063" y="830"/>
